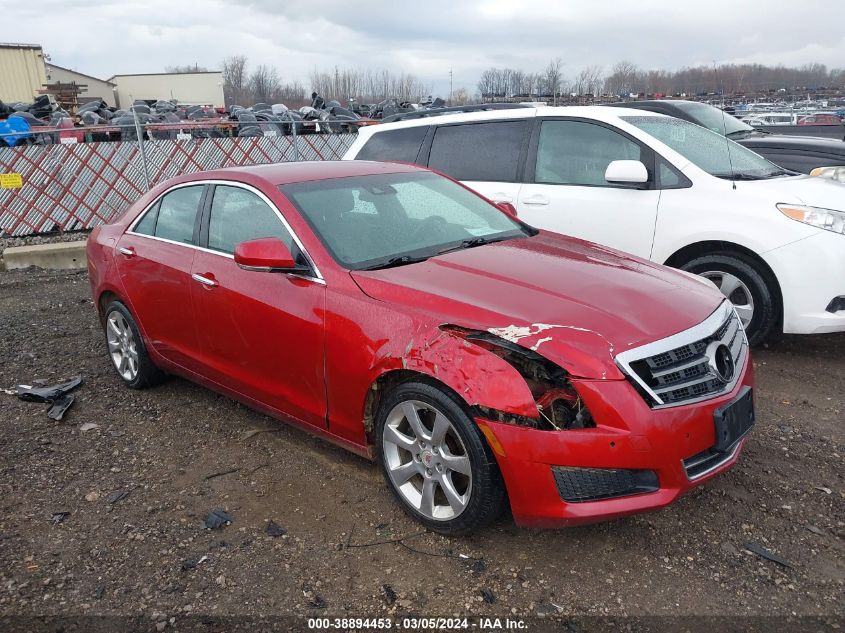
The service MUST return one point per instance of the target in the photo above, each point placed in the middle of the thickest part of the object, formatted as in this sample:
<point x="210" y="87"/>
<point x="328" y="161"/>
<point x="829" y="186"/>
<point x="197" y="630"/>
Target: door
<point x="261" y="333"/>
<point x="485" y="156"/>
<point x="154" y="259"/>
<point x="568" y="193"/>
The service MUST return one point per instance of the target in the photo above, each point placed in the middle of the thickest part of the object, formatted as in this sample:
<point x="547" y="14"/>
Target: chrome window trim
<point x="706" y="328"/>
<point x="318" y="277"/>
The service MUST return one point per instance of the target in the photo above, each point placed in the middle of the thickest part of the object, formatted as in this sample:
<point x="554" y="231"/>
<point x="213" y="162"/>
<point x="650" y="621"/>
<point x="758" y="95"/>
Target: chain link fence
<point x="69" y="186"/>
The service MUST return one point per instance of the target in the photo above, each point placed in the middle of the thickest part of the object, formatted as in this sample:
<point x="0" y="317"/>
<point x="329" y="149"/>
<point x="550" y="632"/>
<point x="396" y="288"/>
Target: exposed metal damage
<point x="558" y="405"/>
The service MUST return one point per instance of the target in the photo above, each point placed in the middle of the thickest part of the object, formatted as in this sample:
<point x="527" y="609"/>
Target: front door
<point x="567" y="192"/>
<point x="261" y="333"/>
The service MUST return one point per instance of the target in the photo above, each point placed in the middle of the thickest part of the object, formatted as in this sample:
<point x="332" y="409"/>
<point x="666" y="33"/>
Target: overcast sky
<point x="426" y="37"/>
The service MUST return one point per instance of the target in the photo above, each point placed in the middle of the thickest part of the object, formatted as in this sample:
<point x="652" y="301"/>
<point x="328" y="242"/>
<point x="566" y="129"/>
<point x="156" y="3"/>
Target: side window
<point x="578" y="153"/>
<point x="147" y="225"/>
<point x="670" y="178"/>
<point x="400" y="145"/>
<point x="177" y="213"/>
<point x="238" y="215"/>
<point x="479" y="151"/>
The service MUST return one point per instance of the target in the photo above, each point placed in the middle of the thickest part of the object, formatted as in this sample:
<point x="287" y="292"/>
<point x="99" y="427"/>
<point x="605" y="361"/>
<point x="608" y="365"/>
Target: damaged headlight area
<point x="559" y="407"/>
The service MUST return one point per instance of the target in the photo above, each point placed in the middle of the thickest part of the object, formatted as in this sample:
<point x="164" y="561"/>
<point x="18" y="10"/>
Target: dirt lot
<point x="168" y="448"/>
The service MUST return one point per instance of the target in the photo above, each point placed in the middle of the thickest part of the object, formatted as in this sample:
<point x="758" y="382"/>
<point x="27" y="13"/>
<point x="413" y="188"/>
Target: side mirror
<point x="266" y="254"/>
<point x="508" y="208"/>
<point x="628" y="172"/>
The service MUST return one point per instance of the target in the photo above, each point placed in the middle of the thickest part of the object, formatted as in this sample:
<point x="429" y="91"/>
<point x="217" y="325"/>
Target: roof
<point x="10" y="45"/>
<point x="76" y="72"/>
<point x="303" y="171"/>
<point x="199" y="72"/>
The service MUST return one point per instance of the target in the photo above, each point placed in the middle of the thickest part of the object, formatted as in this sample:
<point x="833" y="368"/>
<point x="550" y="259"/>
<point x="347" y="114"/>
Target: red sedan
<point x="395" y="312"/>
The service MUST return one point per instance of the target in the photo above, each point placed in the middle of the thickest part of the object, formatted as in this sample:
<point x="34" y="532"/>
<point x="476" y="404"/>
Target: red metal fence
<point x="72" y="187"/>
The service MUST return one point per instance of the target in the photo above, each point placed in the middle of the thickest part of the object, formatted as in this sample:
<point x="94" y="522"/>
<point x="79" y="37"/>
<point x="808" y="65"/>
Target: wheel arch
<point x="711" y="247"/>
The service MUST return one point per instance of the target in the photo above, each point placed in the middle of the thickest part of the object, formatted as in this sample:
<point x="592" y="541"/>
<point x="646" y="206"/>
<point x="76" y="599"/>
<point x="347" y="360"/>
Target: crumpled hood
<point x="574" y="302"/>
<point x="810" y="191"/>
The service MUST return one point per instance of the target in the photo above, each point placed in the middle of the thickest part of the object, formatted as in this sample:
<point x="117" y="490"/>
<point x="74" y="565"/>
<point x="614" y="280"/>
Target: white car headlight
<point x="827" y="219"/>
<point x="834" y="173"/>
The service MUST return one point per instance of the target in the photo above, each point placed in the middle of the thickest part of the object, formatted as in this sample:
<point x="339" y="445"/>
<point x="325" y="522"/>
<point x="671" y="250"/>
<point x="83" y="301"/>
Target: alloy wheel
<point x="736" y="291"/>
<point x="426" y="460"/>
<point x="123" y="348"/>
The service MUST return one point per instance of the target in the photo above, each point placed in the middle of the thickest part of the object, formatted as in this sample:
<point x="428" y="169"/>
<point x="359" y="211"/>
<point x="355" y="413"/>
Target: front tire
<point x="746" y="285"/>
<point x="126" y="349"/>
<point x="436" y="461"/>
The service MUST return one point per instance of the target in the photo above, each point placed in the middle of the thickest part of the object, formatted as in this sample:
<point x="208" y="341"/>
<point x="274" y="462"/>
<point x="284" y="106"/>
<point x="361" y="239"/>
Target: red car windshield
<point x="392" y="219"/>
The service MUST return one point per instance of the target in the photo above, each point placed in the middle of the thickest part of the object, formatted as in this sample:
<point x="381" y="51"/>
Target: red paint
<point x="309" y="352"/>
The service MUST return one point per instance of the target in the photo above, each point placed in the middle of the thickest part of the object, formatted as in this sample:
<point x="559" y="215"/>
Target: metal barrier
<point x="67" y="187"/>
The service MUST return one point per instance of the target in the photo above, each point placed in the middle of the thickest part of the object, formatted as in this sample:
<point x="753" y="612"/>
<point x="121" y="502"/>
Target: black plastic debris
<point x="193" y="563"/>
<point x="478" y="566"/>
<point x="216" y="519"/>
<point x="58" y="517"/>
<point x="117" y="496"/>
<point x="275" y="530"/>
<point x="58" y="396"/>
<point x="317" y="602"/>
<point x="764" y="553"/>
<point x="389" y="594"/>
<point x="488" y="596"/>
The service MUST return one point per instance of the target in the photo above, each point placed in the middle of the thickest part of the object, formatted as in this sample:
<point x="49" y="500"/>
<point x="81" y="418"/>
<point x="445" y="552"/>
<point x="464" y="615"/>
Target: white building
<point x="95" y="89"/>
<point x="199" y="88"/>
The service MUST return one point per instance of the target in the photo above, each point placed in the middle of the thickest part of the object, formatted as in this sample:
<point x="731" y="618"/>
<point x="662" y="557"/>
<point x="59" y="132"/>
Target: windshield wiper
<point x="472" y="242"/>
<point x="393" y="262"/>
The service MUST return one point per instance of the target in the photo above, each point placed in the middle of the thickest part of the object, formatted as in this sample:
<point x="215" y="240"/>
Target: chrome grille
<point x="679" y="370"/>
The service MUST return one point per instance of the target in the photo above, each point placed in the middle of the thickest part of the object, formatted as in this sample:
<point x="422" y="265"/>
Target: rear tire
<point x="443" y="473"/>
<point x="746" y="285"/>
<point x="126" y="349"/>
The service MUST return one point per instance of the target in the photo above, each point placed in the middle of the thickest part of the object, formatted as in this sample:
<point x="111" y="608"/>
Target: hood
<point x="818" y="143"/>
<point x="810" y="191"/>
<point x="577" y="303"/>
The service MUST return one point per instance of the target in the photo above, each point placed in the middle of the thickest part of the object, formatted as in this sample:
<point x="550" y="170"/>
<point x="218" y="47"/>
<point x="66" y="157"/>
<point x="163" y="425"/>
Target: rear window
<point x="400" y="145"/>
<point x="479" y="151"/>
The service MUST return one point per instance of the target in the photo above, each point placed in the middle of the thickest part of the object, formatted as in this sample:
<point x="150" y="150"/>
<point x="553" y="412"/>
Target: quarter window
<point x="400" y="145"/>
<point x="578" y="153"/>
<point x="147" y="225"/>
<point x="238" y="215"/>
<point x="479" y="151"/>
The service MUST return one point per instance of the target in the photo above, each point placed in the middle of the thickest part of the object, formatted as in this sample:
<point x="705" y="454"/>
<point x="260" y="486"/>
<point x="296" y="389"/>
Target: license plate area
<point x="734" y="420"/>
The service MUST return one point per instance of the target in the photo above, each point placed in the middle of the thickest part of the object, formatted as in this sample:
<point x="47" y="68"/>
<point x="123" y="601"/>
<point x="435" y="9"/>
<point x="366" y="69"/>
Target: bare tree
<point x="623" y="76"/>
<point x="264" y="83"/>
<point x="552" y="79"/>
<point x="235" y="80"/>
<point x="181" y="70"/>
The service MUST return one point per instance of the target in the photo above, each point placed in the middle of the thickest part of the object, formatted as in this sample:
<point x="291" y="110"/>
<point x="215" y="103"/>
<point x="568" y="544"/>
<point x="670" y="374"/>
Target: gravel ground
<point x="179" y="451"/>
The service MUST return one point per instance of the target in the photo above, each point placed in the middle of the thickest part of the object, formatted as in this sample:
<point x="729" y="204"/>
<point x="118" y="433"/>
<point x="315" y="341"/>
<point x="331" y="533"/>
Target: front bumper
<point x="628" y="435"/>
<point x="810" y="274"/>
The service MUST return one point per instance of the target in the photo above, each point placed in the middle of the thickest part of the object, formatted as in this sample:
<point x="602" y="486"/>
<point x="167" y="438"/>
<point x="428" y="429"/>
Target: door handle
<point x="535" y="200"/>
<point x="127" y="252"/>
<point x="501" y="197"/>
<point x="205" y="281"/>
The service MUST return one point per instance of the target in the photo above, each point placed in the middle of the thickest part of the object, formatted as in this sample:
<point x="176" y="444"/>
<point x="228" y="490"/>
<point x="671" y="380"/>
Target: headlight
<point x="826" y="219"/>
<point x="834" y="173"/>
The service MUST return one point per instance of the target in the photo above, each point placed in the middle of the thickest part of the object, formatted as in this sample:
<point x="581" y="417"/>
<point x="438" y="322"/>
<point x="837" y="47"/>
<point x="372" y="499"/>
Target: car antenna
<point x="725" y="123"/>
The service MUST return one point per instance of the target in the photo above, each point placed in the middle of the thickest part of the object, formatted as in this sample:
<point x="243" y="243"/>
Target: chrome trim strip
<point x="229" y="183"/>
<point x="706" y="328"/>
<point x="672" y="370"/>
<point x="728" y="457"/>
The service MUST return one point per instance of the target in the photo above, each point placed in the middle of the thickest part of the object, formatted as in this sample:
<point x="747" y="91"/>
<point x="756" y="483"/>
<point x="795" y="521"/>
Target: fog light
<point x="836" y="304"/>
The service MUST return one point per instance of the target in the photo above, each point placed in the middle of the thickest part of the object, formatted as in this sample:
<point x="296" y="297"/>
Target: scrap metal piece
<point x="59" y="406"/>
<point x="49" y="393"/>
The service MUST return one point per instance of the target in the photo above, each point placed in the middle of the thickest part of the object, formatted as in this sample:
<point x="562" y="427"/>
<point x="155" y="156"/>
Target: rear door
<point x="567" y="192"/>
<point x="154" y="258"/>
<point x="487" y="156"/>
<point x="261" y="333"/>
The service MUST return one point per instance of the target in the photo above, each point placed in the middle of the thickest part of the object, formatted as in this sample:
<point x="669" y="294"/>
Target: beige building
<point x="21" y="72"/>
<point x="95" y="89"/>
<point x="201" y="88"/>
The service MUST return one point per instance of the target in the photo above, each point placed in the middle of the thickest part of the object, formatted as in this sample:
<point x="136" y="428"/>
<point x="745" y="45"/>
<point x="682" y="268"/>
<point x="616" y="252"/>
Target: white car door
<point x="567" y="191"/>
<point x="486" y="156"/>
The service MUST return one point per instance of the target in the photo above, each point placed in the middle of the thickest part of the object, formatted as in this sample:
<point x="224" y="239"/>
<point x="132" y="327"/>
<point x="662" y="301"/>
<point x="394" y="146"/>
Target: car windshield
<point x="708" y="150"/>
<point x="384" y="220"/>
<point x="715" y="119"/>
